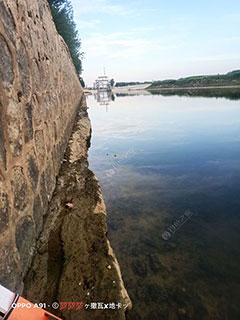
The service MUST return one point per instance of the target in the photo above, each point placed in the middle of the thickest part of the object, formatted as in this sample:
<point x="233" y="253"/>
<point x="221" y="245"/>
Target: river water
<point x="169" y="168"/>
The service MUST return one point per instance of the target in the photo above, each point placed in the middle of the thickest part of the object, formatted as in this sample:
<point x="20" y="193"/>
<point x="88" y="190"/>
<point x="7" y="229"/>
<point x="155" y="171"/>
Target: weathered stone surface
<point x="48" y="137"/>
<point x="35" y="75"/>
<point x="78" y="143"/>
<point x="9" y="271"/>
<point x="55" y="131"/>
<point x="41" y="8"/>
<point x="50" y="179"/>
<point x="38" y="215"/>
<point x="8" y="22"/>
<point x="33" y="172"/>
<point x="4" y="210"/>
<point x="19" y="187"/>
<point x="25" y="241"/>
<point x="36" y="112"/>
<point x="6" y="67"/>
<point x="56" y="155"/>
<point x="23" y="68"/>
<point x="43" y="191"/>
<point x="28" y="133"/>
<point x="2" y="147"/>
<point x="40" y="97"/>
<point x="40" y="146"/>
<point x="14" y="128"/>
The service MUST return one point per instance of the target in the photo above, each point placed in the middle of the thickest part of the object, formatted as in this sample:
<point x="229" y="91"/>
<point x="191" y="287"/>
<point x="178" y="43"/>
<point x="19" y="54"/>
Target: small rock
<point x="109" y="267"/>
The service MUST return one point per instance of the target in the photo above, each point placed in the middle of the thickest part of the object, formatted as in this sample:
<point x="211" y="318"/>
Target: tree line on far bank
<point x="229" y="79"/>
<point x="62" y="12"/>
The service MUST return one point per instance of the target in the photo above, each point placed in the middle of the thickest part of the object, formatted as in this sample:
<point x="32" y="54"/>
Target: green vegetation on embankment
<point x="62" y="13"/>
<point x="229" y="79"/>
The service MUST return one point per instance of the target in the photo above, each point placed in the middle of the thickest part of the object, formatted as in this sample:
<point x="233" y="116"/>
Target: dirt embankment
<point x="74" y="261"/>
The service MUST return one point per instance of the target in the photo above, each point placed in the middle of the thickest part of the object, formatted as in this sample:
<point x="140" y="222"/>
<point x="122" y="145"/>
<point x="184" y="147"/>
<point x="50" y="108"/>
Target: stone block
<point x="28" y="133"/>
<point x="14" y="127"/>
<point x="2" y="139"/>
<point x="8" y="22"/>
<point x="33" y="171"/>
<point x="43" y="192"/>
<point x="9" y="270"/>
<point x="25" y="241"/>
<point x="6" y="67"/>
<point x="38" y="215"/>
<point x="40" y="146"/>
<point x="14" y="130"/>
<point x="50" y="179"/>
<point x="19" y="188"/>
<point x="4" y="210"/>
<point x="23" y="67"/>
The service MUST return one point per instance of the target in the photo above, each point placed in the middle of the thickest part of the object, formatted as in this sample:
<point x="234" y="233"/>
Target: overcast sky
<point x="142" y="40"/>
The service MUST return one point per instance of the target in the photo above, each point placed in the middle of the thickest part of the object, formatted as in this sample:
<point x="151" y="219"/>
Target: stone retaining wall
<point x="39" y="96"/>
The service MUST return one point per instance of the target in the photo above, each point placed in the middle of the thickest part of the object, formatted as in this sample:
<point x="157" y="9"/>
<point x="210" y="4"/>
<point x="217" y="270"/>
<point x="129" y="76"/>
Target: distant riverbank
<point x="191" y="88"/>
<point x="230" y="79"/>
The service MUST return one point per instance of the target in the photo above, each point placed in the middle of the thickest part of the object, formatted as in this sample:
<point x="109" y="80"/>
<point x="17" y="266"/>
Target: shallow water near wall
<point x="169" y="168"/>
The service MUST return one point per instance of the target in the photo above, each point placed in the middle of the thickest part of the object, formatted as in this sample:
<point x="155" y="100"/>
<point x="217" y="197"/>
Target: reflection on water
<point x="228" y="93"/>
<point x="104" y="98"/>
<point x="158" y="158"/>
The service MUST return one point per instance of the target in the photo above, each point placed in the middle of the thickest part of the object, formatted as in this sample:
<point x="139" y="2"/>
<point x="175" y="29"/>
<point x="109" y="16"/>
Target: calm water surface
<point x="156" y="157"/>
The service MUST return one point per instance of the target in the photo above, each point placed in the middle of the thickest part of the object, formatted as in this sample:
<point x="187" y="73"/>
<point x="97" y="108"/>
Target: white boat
<point x="102" y="84"/>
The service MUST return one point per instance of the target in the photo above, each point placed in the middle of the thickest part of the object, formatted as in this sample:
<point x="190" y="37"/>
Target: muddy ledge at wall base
<point x="74" y="260"/>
